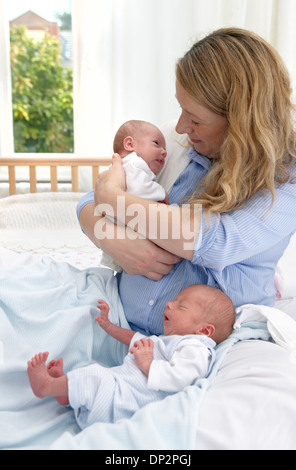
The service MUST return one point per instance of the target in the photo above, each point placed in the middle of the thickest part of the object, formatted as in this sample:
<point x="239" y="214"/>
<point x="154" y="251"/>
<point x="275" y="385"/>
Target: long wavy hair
<point x="238" y="75"/>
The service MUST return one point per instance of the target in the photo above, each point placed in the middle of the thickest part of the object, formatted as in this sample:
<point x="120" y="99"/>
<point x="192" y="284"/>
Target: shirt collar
<point x="204" y="161"/>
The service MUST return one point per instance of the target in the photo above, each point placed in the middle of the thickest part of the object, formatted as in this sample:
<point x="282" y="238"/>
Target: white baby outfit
<point x="140" y="179"/>
<point x="139" y="182"/>
<point x="99" y="394"/>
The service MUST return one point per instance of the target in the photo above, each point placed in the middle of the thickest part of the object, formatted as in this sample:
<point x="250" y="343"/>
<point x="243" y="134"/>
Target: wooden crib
<point x="53" y="162"/>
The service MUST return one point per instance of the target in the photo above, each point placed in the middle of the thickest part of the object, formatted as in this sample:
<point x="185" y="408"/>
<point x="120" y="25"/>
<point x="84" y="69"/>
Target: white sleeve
<point x="189" y="362"/>
<point x="137" y="337"/>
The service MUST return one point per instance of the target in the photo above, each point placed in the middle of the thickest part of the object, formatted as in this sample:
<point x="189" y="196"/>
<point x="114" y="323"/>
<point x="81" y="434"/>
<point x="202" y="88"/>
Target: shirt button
<point x="151" y="302"/>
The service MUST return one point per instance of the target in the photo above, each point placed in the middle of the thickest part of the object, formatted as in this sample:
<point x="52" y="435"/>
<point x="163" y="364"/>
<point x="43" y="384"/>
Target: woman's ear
<point x="129" y="144"/>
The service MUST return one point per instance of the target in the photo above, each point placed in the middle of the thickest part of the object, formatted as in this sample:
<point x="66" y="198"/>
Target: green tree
<point x="65" y="21"/>
<point x="42" y="95"/>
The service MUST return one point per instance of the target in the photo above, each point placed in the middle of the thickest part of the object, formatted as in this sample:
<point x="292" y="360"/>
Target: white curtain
<point x="125" y="54"/>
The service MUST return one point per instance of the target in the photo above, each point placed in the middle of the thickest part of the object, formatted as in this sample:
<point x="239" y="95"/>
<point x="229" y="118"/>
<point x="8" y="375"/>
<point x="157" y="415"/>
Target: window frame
<point x="6" y="117"/>
<point x="6" y="112"/>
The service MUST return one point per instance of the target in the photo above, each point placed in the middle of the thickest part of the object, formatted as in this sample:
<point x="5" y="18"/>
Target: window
<point x="92" y="110"/>
<point x="41" y="75"/>
<point x="36" y="88"/>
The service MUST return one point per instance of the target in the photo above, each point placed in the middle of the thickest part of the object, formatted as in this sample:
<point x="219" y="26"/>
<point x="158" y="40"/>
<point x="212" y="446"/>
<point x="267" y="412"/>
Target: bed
<point x="39" y="217"/>
<point x="51" y="278"/>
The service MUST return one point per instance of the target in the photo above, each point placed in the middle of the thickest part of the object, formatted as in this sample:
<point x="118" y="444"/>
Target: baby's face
<point x="151" y="146"/>
<point x="185" y="314"/>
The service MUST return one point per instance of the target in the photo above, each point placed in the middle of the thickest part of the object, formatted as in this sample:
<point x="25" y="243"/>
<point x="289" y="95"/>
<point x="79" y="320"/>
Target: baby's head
<point x="143" y="138"/>
<point x="200" y="310"/>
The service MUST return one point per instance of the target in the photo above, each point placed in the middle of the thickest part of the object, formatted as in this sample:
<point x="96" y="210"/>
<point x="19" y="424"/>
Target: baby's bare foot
<point x="56" y="368"/>
<point x="48" y="382"/>
<point x="38" y="374"/>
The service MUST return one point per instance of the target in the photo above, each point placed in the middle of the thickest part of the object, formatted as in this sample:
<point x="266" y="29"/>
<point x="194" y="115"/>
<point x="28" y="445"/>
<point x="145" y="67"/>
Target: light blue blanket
<point x="51" y="307"/>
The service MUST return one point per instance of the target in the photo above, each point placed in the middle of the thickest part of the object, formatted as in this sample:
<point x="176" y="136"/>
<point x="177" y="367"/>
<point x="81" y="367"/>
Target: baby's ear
<point x="129" y="144"/>
<point x="207" y="329"/>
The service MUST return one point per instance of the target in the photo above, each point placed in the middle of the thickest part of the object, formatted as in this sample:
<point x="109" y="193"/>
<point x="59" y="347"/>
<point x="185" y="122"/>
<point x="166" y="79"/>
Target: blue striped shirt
<point x="238" y="254"/>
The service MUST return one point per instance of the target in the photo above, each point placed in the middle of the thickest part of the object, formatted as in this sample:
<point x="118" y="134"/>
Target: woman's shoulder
<point x="289" y="183"/>
<point x="292" y="170"/>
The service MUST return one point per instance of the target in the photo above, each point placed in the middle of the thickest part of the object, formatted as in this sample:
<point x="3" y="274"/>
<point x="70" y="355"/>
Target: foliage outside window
<point x="42" y="95"/>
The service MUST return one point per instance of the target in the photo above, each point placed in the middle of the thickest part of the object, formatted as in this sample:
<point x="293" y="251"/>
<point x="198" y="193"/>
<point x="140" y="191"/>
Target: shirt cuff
<point x="137" y="336"/>
<point x="84" y="201"/>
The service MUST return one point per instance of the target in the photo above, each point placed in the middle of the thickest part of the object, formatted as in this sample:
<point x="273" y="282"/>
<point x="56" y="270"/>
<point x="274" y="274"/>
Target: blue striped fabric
<point x="238" y="254"/>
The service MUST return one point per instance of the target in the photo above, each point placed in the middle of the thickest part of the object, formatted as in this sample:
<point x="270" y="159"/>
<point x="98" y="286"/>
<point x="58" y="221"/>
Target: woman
<point x="235" y="98"/>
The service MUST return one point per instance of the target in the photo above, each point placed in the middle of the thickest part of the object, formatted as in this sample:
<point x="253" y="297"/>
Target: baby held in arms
<point x="142" y="147"/>
<point x="155" y="367"/>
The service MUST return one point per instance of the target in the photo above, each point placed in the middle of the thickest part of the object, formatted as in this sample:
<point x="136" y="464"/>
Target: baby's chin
<point x="168" y="332"/>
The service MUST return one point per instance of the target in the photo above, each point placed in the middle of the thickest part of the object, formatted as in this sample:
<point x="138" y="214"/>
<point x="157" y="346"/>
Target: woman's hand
<point x="140" y="256"/>
<point x="136" y="256"/>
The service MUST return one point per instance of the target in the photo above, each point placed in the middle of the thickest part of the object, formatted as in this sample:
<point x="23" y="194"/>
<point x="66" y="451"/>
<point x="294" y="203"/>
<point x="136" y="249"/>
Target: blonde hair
<point x="238" y="75"/>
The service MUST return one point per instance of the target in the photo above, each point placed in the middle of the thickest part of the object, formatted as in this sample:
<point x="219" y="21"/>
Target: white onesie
<point x="139" y="182"/>
<point x="140" y="179"/>
<point x="99" y="394"/>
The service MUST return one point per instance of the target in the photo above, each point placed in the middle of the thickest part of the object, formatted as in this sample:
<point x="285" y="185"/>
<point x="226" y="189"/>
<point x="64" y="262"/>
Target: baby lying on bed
<point x="155" y="367"/>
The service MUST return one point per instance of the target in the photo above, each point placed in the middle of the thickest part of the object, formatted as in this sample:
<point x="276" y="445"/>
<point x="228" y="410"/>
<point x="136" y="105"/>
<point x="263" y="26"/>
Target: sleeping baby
<point x="142" y="147"/>
<point x="155" y="367"/>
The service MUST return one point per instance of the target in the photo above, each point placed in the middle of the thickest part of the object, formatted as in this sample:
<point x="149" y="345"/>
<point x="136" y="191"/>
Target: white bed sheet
<point x="45" y="224"/>
<point x="251" y="404"/>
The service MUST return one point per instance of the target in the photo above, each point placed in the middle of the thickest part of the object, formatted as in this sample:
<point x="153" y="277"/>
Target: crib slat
<point x="74" y="171"/>
<point x="33" y="179"/>
<point x="95" y="174"/>
<point x="54" y="179"/>
<point x="12" y="180"/>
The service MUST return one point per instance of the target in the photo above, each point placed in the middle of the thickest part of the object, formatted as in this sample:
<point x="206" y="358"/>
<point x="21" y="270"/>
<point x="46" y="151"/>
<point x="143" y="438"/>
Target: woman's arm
<point x="172" y="228"/>
<point x="136" y="256"/>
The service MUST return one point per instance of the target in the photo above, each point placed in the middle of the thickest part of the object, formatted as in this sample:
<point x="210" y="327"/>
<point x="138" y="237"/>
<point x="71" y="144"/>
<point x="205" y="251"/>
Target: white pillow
<point x="42" y="220"/>
<point x="285" y="277"/>
<point x="176" y="160"/>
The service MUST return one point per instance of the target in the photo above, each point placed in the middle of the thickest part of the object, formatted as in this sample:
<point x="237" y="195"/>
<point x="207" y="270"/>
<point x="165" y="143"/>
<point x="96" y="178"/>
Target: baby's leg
<point x="56" y="370"/>
<point x="42" y="384"/>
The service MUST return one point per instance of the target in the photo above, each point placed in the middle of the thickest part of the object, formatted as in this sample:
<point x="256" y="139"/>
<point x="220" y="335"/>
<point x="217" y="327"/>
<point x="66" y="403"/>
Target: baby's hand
<point x="103" y="319"/>
<point x="143" y="352"/>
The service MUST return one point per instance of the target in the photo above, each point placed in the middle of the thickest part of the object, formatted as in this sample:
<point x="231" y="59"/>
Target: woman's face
<point x="205" y="129"/>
